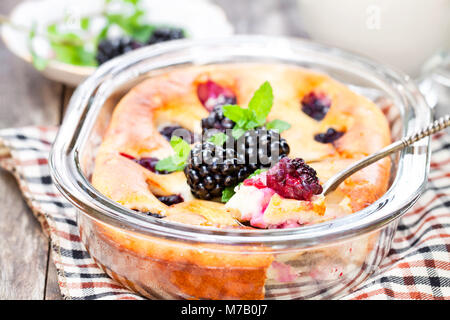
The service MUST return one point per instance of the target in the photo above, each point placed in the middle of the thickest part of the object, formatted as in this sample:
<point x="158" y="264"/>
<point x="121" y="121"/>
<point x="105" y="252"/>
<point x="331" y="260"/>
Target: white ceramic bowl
<point x="200" y="18"/>
<point x="402" y="33"/>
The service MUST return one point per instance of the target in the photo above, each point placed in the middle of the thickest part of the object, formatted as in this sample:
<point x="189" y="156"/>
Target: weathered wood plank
<point x="26" y="98"/>
<point x="24" y="248"/>
<point x="52" y="291"/>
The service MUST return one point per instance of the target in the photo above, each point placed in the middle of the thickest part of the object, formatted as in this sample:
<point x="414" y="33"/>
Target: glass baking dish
<point x="168" y="260"/>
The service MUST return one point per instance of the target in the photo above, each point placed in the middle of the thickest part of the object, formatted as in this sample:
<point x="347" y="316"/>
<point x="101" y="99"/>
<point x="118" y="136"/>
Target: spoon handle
<point x="338" y="178"/>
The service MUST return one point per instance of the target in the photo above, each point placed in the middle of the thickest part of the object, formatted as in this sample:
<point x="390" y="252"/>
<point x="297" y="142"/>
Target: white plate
<point x="200" y="18"/>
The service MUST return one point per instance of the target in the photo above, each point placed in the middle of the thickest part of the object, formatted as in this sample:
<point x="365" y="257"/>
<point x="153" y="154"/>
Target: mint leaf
<point x="235" y="113"/>
<point x="69" y="48"/>
<point x="177" y="161"/>
<point x="278" y="125"/>
<point x="218" y="139"/>
<point x="132" y="25"/>
<point x="237" y="132"/>
<point x="142" y="33"/>
<point x="227" y="193"/>
<point x="261" y="103"/>
<point x="169" y="164"/>
<point x="256" y="113"/>
<point x="85" y="22"/>
<point x="181" y="149"/>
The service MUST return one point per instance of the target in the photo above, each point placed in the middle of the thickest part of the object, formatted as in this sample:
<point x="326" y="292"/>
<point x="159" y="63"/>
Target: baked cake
<point x="314" y="127"/>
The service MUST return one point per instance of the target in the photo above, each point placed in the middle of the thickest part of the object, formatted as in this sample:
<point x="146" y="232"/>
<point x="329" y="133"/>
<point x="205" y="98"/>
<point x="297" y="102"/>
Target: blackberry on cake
<point x="316" y="105"/>
<point x="329" y="136"/>
<point x="210" y="169"/>
<point x="262" y="148"/>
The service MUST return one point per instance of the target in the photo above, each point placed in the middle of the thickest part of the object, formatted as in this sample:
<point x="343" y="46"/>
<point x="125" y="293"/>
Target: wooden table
<point x="27" y="98"/>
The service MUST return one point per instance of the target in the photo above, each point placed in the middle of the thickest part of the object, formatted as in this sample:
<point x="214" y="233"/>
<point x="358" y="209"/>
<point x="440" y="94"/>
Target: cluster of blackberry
<point x="211" y="168"/>
<point x="110" y="48"/>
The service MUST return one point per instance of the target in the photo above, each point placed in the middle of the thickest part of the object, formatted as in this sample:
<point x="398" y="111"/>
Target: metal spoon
<point x="338" y="178"/>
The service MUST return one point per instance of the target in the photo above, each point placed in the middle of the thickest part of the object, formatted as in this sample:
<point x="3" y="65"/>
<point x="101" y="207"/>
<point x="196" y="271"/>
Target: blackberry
<point x="148" y="163"/>
<point x="216" y="122"/>
<point x="316" y="105"/>
<point x="293" y="179"/>
<point x="170" y="200"/>
<point x="262" y="148"/>
<point x="165" y="34"/>
<point x="329" y="136"/>
<point x="108" y="49"/>
<point x="210" y="169"/>
<point x="178" y="131"/>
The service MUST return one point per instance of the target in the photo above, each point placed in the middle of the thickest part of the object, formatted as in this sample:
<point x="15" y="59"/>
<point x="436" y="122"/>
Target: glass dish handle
<point x="434" y="83"/>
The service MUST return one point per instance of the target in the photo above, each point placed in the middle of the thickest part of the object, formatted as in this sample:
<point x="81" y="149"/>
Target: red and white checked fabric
<point x="417" y="266"/>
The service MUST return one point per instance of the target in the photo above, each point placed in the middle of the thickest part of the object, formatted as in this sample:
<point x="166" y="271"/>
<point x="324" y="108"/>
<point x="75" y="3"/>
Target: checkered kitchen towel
<point x="417" y="267"/>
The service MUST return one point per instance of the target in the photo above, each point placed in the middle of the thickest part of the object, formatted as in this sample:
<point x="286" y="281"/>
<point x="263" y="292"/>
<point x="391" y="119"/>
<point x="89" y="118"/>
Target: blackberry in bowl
<point x="110" y="48"/>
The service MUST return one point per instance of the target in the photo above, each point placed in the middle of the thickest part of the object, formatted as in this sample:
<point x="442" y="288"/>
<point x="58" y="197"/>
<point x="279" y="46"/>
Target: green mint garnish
<point x="80" y="47"/>
<point x="69" y="47"/>
<point x="278" y="125"/>
<point x="131" y="25"/>
<point x="261" y="103"/>
<point x="177" y="161"/>
<point x="255" y="115"/>
<point x="228" y="192"/>
<point x="218" y="139"/>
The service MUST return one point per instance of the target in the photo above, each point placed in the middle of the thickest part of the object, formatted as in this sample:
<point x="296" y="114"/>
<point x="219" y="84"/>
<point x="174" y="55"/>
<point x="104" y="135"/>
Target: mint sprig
<point x="255" y="115"/>
<point x="70" y="48"/>
<point x="177" y="161"/>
